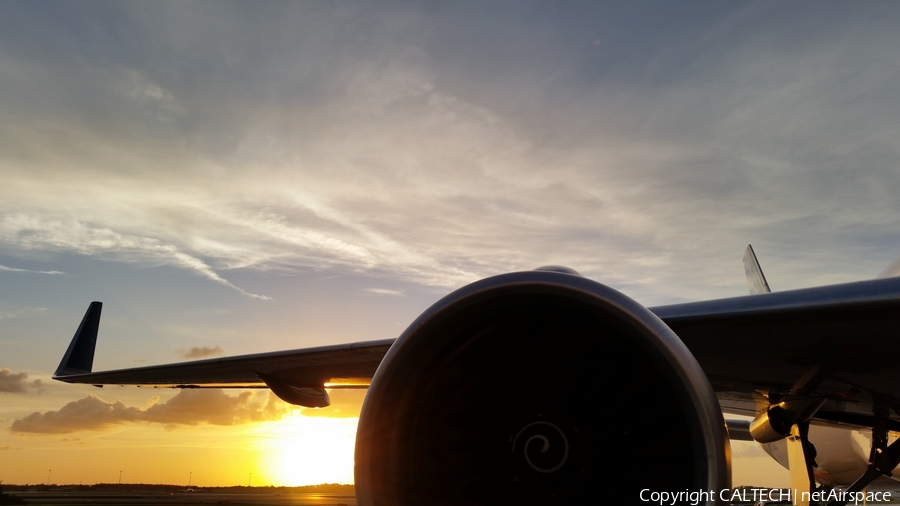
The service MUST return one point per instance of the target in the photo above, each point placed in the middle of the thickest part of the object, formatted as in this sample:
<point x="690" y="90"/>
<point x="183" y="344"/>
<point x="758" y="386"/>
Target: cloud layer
<point x="18" y="383"/>
<point x="418" y="150"/>
<point x="198" y="352"/>
<point x="188" y="407"/>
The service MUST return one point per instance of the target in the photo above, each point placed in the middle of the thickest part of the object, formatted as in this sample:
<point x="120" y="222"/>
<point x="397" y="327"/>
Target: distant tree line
<point x="157" y="488"/>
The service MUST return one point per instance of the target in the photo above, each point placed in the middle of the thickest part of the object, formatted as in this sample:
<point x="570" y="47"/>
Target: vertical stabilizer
<point x="79" y="358"/>
<point x="756" y="280"/>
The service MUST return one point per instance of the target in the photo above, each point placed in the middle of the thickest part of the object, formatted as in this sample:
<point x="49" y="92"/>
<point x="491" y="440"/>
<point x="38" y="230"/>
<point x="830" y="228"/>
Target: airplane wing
<point x="296" y="376"/>
<point x="839" y="342"/>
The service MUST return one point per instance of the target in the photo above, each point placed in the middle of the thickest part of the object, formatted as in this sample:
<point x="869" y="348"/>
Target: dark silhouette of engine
<point x="537" y="387"/>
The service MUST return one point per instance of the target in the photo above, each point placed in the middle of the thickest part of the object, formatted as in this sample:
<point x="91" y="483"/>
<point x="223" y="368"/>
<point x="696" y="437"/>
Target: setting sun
<point x="302" y="450"/>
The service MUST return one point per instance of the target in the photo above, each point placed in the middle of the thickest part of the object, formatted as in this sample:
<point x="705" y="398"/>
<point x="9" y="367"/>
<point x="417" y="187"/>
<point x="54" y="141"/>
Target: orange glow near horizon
<point x="305" y="447"/>
<point x="301" y="447"/>
<point x="297" y="450"/>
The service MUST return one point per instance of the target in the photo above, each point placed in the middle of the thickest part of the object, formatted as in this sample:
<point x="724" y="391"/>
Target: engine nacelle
<point x="537" y="388"/>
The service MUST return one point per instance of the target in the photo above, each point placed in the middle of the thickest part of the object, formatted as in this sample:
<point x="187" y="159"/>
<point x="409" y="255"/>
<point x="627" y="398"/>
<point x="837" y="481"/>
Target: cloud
<point x="88" y="413"/>
<point x="413" y="151"/>
<point x="384" y="291"/>
<point x="155" y="98"/>
<point x="18" y="313"/>
<point x="17" y="383"/>
<point x="188" y="407"/>
<point x="201" y="352"/>
<point x="29" y="232"/>
<point x="214" y="407"/>
<point x="14" y="269"/>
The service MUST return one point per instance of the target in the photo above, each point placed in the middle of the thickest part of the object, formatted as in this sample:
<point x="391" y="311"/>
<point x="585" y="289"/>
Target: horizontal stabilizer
<point x="79" y="358"/>
<point x="756" y="280"/>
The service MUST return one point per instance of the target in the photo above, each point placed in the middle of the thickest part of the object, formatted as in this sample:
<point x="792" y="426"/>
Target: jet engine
<point x="538" y="387"/>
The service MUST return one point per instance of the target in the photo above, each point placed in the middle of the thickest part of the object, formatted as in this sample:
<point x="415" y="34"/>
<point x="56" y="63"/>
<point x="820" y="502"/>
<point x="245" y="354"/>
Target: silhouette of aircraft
<point x="544" y="387"/>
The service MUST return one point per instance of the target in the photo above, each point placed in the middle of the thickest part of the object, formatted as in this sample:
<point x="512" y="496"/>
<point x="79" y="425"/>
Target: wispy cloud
<point x="384" y="291"/>
<point x="33" y="232"/>
<point x="201" y="352"/>
<point x="160" y="101"/>
<point x="188" y="407"/>
<point x="407" y="156"/>
<point x="20" y="313"/>
<point x="18" y="383"/>
<point x="14" y="269"/>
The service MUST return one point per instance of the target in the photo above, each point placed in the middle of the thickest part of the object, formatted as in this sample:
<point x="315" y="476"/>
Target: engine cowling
<point x="537" y="388"/>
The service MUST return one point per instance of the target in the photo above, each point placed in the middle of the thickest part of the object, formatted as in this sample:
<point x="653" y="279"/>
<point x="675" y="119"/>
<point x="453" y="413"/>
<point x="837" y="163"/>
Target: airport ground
<point x="171" y="495"/>
<point x="154" y="495"/>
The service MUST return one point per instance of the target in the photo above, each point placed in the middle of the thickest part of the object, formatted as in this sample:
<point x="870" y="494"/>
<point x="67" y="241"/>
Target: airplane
<point x="545" y="387"/>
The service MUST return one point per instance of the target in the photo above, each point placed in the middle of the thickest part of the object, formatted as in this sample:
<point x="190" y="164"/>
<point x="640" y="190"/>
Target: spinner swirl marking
<point x="540" y="436"/>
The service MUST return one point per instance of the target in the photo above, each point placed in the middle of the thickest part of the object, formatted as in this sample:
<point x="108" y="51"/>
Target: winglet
<point x="756" y="280"/>
<point x="79" y="358"/>
<point x="891" y="271"/>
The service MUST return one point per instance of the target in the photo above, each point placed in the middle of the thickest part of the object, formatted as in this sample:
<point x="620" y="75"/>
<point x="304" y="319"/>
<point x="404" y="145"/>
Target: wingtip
<point x="756" y="280"/>
<point x="79" y="357"/>
<point x="892" y="270"/>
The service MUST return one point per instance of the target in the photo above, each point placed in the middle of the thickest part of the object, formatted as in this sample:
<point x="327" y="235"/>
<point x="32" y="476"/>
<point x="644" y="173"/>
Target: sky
<point x="233" y="177"/>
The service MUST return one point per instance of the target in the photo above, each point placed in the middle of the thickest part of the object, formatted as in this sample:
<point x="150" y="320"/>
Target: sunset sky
<point x="239" y="177"/>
